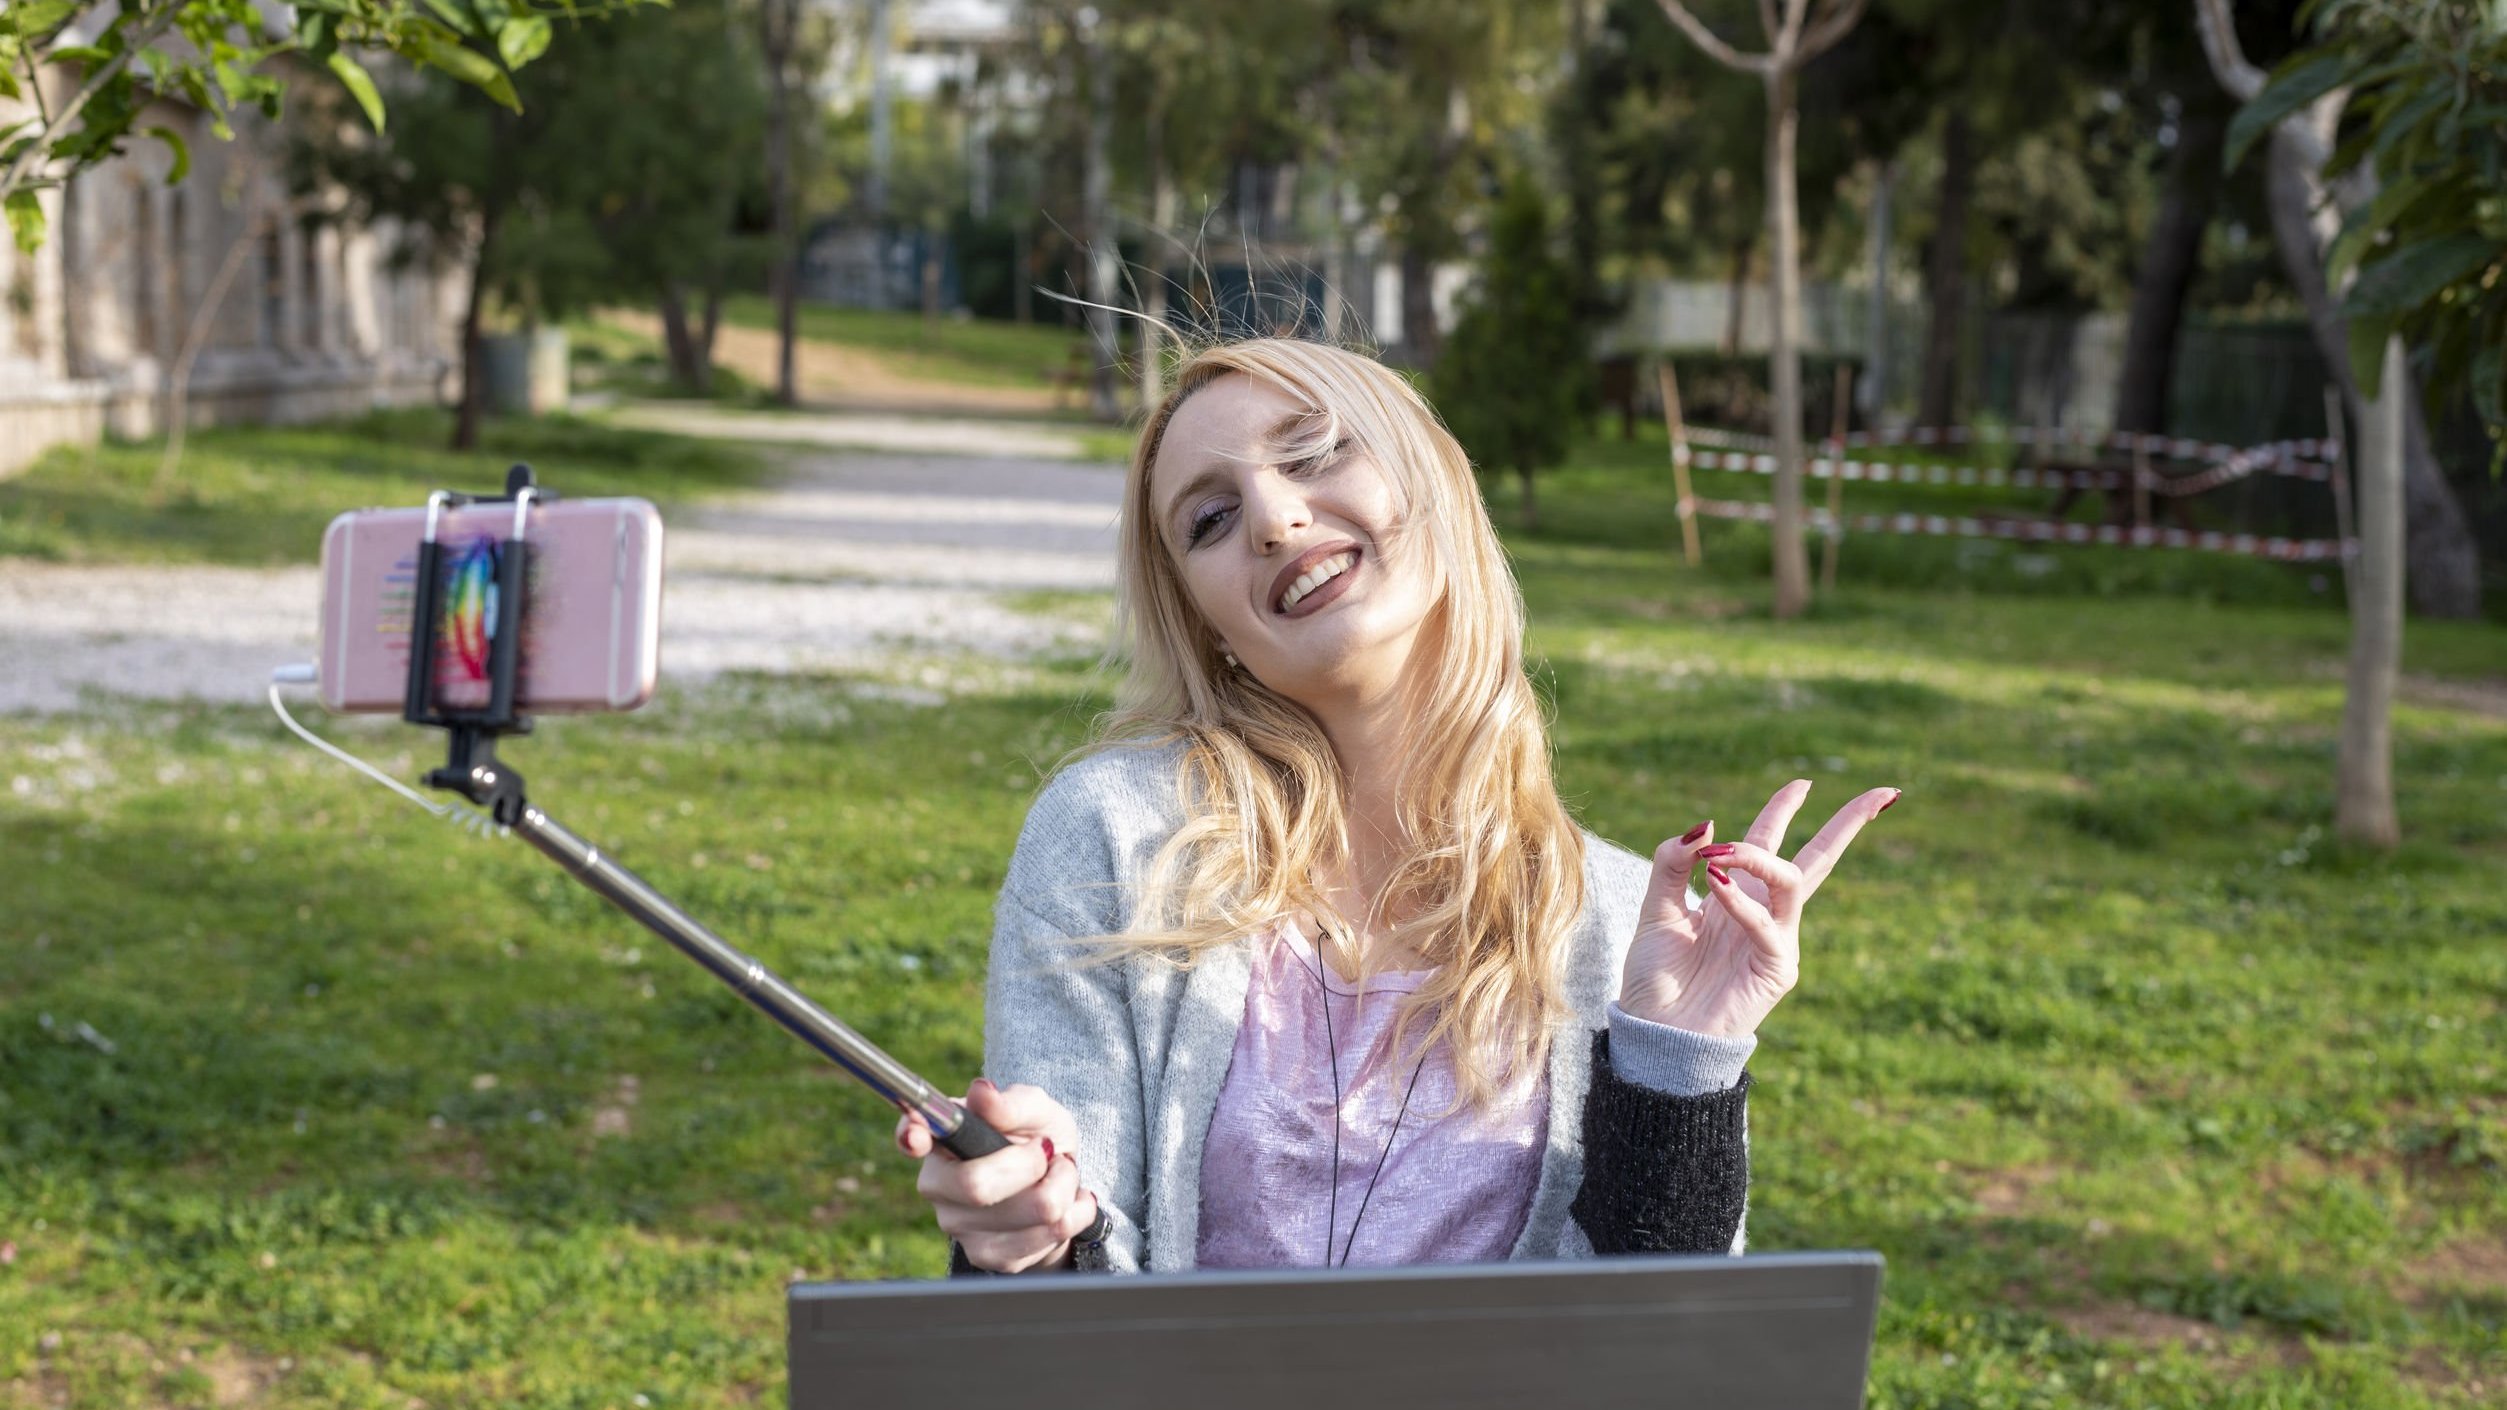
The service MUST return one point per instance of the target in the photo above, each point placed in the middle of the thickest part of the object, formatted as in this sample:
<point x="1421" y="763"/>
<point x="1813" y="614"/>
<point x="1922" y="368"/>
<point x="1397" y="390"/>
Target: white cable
<point x="477" y="823"/>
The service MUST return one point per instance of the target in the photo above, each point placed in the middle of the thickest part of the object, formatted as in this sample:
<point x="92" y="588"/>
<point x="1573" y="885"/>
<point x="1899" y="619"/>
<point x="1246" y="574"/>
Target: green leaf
<point x="2290" y="90"/>
<point x="438" y="51"/>
<point x="32" y="17"/>
<point x="2359" y="229"/>
<point x="2489" y="385"/>
<point x="2411" y="275"/>
<point x="26" y="219"/>
<point x="182" y="154"/>
<point x="522" y="39"/>
<point x="78" y="54"/>
<point x="360" y="85"/>
<point x="318" y="33"/>
<point x="463" y="18"/>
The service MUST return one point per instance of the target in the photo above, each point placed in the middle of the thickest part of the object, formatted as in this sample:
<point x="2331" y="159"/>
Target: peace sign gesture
<point x="1720" y="969"/>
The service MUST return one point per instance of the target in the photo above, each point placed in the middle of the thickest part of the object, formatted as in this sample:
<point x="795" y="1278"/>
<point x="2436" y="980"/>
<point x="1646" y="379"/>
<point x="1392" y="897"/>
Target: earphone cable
<point x="1333" y="1048"/>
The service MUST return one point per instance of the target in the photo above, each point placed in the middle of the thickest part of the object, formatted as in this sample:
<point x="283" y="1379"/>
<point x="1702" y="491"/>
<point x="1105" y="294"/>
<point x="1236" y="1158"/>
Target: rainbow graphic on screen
<point x="468" y="631"/>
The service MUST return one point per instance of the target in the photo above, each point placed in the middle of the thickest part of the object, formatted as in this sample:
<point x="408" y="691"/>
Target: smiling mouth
<point x="1318" y="585"/>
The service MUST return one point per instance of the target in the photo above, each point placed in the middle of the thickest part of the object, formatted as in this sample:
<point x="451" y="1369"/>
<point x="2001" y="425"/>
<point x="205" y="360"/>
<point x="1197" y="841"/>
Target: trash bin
<point x="526" y="371"/>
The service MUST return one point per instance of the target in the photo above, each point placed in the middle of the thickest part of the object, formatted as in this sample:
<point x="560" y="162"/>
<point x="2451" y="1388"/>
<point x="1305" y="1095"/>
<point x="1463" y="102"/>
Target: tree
<point x="2430" y="81"/>
<point x="636" y="202"/>
<point x="779" y="33"/>
<point x="2308" y="206"/>
<point x="1797" y="31"/>
<point x="1511" y="381"/>
<point x="219" y="56"/>
<point x="602" y="186"/>
<point x="1432" y="89"/>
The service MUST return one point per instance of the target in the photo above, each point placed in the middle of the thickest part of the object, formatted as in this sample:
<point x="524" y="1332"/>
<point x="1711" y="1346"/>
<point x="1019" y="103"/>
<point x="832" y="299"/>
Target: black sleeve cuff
<point x="1662" y="1173"/>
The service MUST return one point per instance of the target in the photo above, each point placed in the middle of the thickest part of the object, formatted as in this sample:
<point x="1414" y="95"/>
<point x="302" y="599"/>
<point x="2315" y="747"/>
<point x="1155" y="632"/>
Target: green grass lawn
<point x="976" y="352"/>
<point x="261" y="495"/>
<point x="2150" y="1093"/>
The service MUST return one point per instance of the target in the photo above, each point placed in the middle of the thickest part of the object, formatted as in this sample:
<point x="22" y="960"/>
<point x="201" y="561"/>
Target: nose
<point x="1275" y="509"/>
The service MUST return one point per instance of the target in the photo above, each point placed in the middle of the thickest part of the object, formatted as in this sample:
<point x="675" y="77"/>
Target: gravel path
<point x="849" y="561"/>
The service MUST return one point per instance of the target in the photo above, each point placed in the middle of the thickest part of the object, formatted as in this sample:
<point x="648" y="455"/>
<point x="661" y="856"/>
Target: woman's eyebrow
<point x="1280" y="434"/>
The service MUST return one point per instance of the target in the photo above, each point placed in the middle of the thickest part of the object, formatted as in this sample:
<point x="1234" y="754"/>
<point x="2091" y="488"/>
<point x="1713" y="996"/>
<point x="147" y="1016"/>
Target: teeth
<point x="1316" y="577"/>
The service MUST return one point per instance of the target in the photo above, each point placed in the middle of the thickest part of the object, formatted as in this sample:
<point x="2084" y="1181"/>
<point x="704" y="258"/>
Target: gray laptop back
<point x="1789" y="1330"/>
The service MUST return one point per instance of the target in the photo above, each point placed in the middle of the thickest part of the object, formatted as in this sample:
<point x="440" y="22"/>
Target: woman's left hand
<point x="1720" y="969"/>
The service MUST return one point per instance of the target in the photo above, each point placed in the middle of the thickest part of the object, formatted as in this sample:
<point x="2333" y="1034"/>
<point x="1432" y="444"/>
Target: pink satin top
<point x="1454" y="1188"/>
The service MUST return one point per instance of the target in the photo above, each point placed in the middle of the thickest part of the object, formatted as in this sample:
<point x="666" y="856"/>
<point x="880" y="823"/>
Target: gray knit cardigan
<point x="1647" y="1141"/>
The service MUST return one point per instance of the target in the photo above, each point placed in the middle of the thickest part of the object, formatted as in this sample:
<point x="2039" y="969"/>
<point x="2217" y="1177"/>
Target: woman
<point x="1305" y="963"/>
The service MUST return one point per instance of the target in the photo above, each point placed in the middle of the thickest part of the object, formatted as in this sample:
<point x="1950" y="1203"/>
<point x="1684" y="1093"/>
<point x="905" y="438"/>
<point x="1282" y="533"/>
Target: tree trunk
<point x="781" y="21"/>
<point x="2445" y="575"/>
<point x="1945" y="278"/>
<point x="2364" y="791"/>
<point x="1418" y="306"/>
<point x="1872" y="392"/>
<point x="712" y="325"/>
<point x="1153" y="277"/>
<point x="1101" y="252"/>
<point x="1736" y="297"/>
<point x="2170" y="259"/>
<point x="679" y="340"/>
<point x="1022" y="275"/>
<point x="473" y="374"/>
<point x="1784" y="358"/>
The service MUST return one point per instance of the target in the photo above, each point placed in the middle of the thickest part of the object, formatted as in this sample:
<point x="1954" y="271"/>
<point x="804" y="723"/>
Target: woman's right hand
<point x="1019" y="1207"/>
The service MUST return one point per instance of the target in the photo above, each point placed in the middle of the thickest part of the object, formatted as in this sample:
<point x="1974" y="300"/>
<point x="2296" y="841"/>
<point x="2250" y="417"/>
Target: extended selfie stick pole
<point x="472" y="770"/>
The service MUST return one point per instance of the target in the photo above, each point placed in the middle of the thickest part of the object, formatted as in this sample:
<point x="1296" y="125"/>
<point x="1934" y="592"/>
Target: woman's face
<point x="1249" y="509"/>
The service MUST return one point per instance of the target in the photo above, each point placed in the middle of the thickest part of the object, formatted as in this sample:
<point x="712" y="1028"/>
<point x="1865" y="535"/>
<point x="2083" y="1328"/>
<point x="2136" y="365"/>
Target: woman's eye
<point x="1202" y="524"/>
<point x="1321" y="458"/>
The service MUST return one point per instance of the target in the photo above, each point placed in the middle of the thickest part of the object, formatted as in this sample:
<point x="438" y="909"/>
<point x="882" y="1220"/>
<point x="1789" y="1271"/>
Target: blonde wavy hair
<point x="1492" y="881"/>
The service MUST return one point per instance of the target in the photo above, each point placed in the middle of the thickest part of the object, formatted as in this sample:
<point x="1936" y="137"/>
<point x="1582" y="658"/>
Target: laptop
<point x="1791" y="1330"/>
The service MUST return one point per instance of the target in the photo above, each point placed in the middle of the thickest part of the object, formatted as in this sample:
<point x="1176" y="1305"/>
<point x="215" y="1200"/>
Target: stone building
<point x="298" y="315"/>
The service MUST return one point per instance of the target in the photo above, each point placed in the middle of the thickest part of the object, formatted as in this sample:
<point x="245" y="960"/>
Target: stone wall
<point x="293" y="311"/>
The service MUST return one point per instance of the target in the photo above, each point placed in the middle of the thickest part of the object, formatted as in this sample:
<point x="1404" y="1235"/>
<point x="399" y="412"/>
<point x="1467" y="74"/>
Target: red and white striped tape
<point x="2237" y="465"/>
<point x="2165" y="447"/>
<point x="2285" y="550"/>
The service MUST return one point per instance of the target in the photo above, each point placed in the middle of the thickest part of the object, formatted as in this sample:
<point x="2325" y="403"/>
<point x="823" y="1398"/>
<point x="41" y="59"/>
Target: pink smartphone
<point x="591" y="628"/>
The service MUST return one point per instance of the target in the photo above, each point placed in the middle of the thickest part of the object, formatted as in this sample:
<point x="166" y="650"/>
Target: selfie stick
<point x="472" y="770"/>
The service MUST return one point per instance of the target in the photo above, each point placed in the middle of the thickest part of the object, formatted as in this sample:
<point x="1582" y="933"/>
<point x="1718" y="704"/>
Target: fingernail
<point x="904" y="1142"/>
<point x="1693" y="834"/>
<point x="1048" y="1150"/>
<point x="1722" y="877"/>
<point x="1720" y="849"/>
<point x="983" y="1082"/>
<point x="1894" y="796"/>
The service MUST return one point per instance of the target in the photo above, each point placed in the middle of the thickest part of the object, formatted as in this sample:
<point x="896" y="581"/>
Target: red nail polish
<point x="1720" y="849"/>
<point x="1693" y="834"/>
<point x="1893" y="801"/>
<point x="1722" y="877"/>
<point x="1048" y="1150"/>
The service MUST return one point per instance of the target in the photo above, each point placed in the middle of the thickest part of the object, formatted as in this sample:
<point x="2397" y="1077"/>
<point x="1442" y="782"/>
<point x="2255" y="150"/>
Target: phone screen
<point x="466" y="632"/>
<point x="591" y="608"/>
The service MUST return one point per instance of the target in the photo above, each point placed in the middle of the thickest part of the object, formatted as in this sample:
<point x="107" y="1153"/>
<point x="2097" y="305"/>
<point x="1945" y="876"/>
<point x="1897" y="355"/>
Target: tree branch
<point x="40" y="150"/>
<point x="1834" y="24"/>
<point x="2217" y="24"/>
<point x="1705" y="39"/>
<point x="1787" y="39"/>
